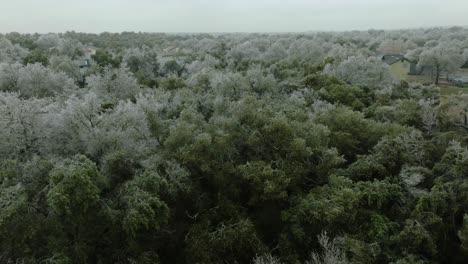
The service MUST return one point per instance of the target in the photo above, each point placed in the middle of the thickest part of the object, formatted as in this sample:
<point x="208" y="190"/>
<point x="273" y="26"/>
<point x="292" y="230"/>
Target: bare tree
<point x="331" y="253"/>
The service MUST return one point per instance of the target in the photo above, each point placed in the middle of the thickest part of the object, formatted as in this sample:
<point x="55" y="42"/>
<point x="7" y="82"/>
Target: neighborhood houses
<point x="402" y="68"/>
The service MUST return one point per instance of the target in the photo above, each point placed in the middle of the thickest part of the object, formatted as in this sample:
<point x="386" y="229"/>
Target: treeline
<point x="233" y="148"/>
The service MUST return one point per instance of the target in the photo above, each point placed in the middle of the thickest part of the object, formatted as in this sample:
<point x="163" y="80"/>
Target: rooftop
<point x="391" y="59"/>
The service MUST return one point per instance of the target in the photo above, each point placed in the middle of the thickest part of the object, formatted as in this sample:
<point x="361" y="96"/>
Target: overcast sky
<point x="227" y="15"/>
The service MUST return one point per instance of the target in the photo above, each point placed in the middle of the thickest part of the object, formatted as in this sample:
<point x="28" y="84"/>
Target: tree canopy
<point x="230" y="148"/>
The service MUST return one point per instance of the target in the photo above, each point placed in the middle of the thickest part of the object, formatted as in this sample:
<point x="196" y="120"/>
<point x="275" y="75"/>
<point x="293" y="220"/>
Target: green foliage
<point x="143" y="210"/>
<point x="227" y="148"/>
<point x="104" y="58"/>
<point x="74" y="187"/>
<point x="36" y="56"/>
<point x="236" y="240"/>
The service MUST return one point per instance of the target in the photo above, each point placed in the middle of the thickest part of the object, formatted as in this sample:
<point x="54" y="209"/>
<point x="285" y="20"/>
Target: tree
<point x="66" y="65"/>
<point x="73" y="198"/>
<point x="309" y="51"/>
<point x="10" y="53"/>
<point x="143" y="62"/>
<point x="331" y="254"/>
<point x="105" y="58"/>
<point x="454" y="113"/>
<point x="36" y="56"/>
<point x="360" y="70"/>
<point x="48" y="41"/>
<point x="35" y="80"/>
<point x="70" y="48"/>
<point x="19" y="125"/>
<point x="9" y="75"/>
<point x="114" y="84"/>
<point x="429" y="114"/>
<point x="444" y="58"/>
<point x="395" y="47"/>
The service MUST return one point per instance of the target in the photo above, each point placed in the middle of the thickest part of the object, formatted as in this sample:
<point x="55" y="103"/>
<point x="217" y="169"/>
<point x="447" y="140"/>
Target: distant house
<point x="392" y="59"/>
<point x="402" y="68"/>
<point x="399" y="65"/>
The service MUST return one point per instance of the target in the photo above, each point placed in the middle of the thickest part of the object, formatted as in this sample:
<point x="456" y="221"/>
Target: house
<point x="399" y="66"/>
<point x="402" y="68"/>
<point x="392" y="59"/>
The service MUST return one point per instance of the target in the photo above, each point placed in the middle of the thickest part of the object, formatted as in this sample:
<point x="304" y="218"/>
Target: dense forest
<point x="232" y="148"/>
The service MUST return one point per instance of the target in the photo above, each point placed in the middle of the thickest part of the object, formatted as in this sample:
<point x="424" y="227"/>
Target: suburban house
<point x="398" y="64"/>
<point x="402" y="68"/>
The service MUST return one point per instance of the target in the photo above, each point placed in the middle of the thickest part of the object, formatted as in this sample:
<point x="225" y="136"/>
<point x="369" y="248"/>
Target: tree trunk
<point x="437" y="75"/>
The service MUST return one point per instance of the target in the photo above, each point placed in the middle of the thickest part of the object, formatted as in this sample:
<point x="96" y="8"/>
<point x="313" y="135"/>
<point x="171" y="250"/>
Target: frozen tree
<point x="395" y="47"/>
<point x="331" y="253"/>
<point x="342" y="52"/>
<point x="266" y="259"/>
<point x="229" y="84"/>
<point x="275" y="52"/>
<point x="66" y="65"/>
<point x="9" y="74"/>
<point x="142" y="61"/>
<point x="172" y="66"/>
<point x="243" y="53"/>
<point x="309" y="51"/>
<point x="68" y="126"/>
<point x="114" y="84"/>
<point x="10" y="53"/>
<point x="203" y="65"/>
<point x="35" y="80"/>
<point x="126" y="129"/>
<point x="412" y="177"/>
<point x="413" y="55"/>
<point x="360" y="70"/>
<point x="429" y="112"/>
<point x="84" y="125"/>
<point x="443" y="58"/>
<point x="48" y="41"/>
<point x="261" y="82"/>
<point x="455" y="111"/>
<point x="19" y="122"/>
<point x="70" y="48"/>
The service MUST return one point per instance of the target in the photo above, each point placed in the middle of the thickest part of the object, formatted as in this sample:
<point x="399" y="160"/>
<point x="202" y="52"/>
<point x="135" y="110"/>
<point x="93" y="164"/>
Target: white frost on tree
<point x="113" y="85"/>
<point x="48" y="41"/>
<point x="331" y="252"/>
<point x="429" y="110"/>
<point x="19" y="124"/>
<point x="360" y="70"/>
<point x="309" y="51"/>
<point x="395" y="46"/>
<point x="84" y="125"/>
<point x="10" y="53"/>
<point x="35" y="80"/>
<point x="9" y="75"/>
<point x="445" y="58"/>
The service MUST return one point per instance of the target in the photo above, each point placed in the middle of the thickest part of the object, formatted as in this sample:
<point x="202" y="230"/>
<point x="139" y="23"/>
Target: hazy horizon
<point x="216" y="16"/>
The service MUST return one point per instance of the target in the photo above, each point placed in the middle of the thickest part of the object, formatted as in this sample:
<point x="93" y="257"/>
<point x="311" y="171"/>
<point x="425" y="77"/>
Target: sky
<point x="42" y="16"/>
